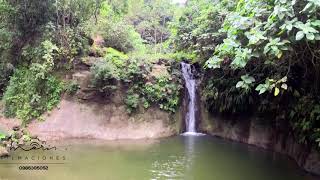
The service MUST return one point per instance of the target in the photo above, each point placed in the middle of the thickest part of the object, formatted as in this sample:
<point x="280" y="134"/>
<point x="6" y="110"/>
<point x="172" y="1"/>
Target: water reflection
<point x="190" y="150"/>
<point x="172" y="168"/>
<point x="176" y="166"/>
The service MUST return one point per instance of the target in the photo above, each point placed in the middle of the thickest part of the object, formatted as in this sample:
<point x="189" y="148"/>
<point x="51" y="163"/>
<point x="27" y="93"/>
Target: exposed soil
<point x="7" y="124"/>
<point x="73" y="119"/>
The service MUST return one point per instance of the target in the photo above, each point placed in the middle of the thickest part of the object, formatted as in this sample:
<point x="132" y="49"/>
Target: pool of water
<point x="181" y="157"/>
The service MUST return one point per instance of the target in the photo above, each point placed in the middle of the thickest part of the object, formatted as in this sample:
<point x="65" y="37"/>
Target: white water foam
<point x="192" y="134"/>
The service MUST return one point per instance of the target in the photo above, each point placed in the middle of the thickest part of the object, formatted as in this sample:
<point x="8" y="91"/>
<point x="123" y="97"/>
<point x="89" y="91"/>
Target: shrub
<point x="72" y="87"/>
<point x="72" y="44"/>
<point x="132" y="101"/>
<point x="116" y="57"/>
<point x="162" y="89"/>
<point x="116" y="34"/>
<point x="122" y="37"/>
<point x="34" y="90"/>
<point x="134" y="72"/>
<point x="5" y="71"/>
<point x="105" y="76"/>
<point x="305" y="118"/>
<point x="183" y="56"/>
<point x="28" y="97"/>
<point x="263" y="59"/>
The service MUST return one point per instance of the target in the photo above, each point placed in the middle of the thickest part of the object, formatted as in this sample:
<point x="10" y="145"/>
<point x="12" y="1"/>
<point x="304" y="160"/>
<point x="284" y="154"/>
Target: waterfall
<point x="191" y="85"/>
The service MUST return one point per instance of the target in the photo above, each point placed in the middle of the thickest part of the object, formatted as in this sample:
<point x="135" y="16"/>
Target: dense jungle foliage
<point x="258" y="57"/>
<point x="127" y="40"/>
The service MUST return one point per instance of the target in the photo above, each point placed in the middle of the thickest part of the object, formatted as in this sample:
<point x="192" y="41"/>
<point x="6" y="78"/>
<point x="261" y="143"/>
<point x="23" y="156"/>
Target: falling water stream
<point x="191" y="86"/>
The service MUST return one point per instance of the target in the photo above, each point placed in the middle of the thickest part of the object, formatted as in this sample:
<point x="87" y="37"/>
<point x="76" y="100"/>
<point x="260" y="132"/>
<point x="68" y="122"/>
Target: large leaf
<point x="239" y="84"/>
<point x="299" y="35"/>
<point x="248" y="79"/>
<point x="310" y="36"/>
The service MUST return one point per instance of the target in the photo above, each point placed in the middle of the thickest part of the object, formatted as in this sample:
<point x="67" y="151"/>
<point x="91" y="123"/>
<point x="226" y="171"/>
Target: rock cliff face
<point x="251" y="131"/>
<point x="74" y="119"/>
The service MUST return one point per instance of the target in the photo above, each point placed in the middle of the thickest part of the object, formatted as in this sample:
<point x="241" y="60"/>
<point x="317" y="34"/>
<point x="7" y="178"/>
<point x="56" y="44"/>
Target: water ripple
<point x="172" y="168"/>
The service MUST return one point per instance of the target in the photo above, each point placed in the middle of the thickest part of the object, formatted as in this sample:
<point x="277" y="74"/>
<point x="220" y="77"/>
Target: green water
<point x="189" y="158"/>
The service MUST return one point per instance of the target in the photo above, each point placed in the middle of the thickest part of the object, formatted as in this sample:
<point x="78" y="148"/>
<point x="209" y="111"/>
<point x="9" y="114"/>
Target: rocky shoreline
<point x="74" y="120"/>
<point x="17" y="137"/>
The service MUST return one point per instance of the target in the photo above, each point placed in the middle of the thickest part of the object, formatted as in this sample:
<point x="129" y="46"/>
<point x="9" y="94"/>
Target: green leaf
<point x="251" y="79"/>
<point x="315" y="23"/>
<point x="2" y="136"/>
<point x="262" y="90"/>
<point x="289" y="27"/>
<point x="310" y="36"/>
<point x="259" y="87"/>
<point x="248" y="79"/>
<point x="276" y="91"/>
<point x="299" y="35"/>
<point x="309" y="29"/>
<point x="307" y="6"/>
<point x="239" y="84"/>
<point x="284" y="86"/>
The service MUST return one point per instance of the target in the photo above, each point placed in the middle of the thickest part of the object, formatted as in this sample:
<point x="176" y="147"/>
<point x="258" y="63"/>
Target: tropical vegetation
<point x="256" y="58"/>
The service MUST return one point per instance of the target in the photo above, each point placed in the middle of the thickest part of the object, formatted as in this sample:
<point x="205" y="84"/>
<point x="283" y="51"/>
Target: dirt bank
<point x="91" y="120"/>
<point x="74" y="119"/>
<point x="7" y="124"/>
